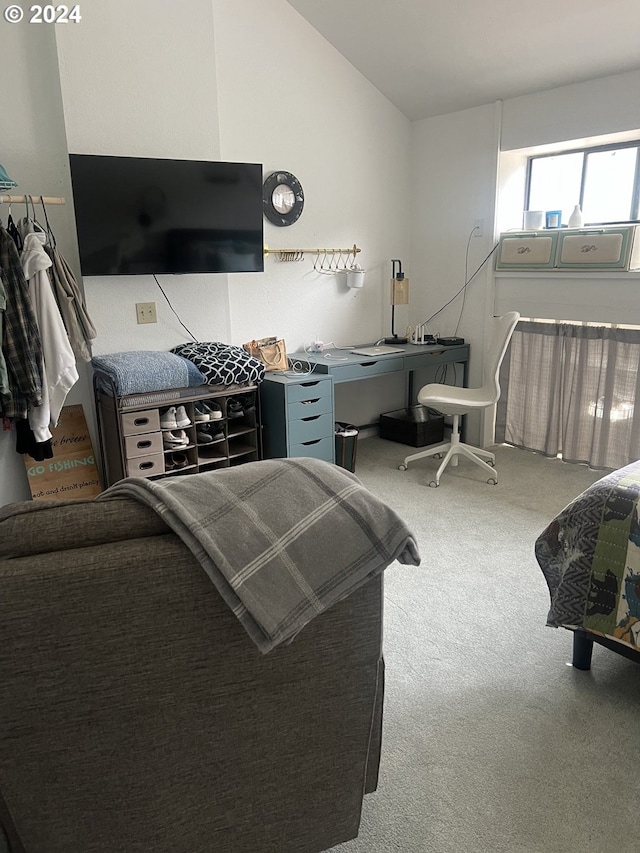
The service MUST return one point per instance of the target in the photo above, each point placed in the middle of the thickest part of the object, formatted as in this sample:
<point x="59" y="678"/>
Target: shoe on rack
<point x="234" y="409"/>
<point x="182" y="418"/>
<point x="201" y="412"/>
<point x="179" y="460"/>
<point x="214" y="409"/>
<point x="175" y="439"/>
<point x="248" y="405"/>
<point x="203" y="436"/>
<point x="215" y="432"/>
<point x="168" y="418"/>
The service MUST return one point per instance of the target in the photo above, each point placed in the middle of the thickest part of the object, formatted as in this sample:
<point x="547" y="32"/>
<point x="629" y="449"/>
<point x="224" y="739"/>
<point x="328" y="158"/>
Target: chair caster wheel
<point x="492" y="481"/>
<point x="402" y="467"/>
<point x="433" y="484"/>
<point x="438" y="455"/>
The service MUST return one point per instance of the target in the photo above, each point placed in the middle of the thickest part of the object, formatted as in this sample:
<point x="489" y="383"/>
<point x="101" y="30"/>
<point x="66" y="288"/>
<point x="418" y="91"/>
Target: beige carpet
<point x="492" y="742"/>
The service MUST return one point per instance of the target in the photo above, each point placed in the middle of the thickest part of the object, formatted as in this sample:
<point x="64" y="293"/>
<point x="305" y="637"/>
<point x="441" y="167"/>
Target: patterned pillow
<point x="223" y="364"/>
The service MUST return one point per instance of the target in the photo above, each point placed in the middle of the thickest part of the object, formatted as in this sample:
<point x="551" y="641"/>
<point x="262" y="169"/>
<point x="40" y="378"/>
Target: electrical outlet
<point x="146" y="312"/>
<point x="478" y="227"/>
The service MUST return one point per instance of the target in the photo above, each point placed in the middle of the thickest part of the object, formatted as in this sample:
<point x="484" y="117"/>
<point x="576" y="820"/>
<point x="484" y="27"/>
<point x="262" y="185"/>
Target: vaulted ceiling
<point x="431" y="57"/>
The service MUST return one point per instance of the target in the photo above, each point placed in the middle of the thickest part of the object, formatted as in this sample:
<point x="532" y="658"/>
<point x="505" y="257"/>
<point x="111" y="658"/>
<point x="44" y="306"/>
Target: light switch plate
<point x="146" y="312"/>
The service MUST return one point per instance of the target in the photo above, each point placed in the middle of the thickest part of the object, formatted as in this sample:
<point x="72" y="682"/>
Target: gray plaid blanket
<point x="282" y="540"/>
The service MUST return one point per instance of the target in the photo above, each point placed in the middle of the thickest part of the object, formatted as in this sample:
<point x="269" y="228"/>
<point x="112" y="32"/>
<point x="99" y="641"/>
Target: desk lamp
<point x="399" y="296"/>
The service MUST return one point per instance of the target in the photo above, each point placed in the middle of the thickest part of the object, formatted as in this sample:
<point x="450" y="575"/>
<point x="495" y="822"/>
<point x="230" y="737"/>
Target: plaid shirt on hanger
<point x="21" y="342"/>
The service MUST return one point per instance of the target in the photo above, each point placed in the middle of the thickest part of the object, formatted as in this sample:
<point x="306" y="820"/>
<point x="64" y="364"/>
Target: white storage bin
<point x="527" y="251"/>
<point x="616" y="248"/>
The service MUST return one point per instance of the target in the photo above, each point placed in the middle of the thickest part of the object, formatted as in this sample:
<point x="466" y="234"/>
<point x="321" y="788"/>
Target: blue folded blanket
<point x="147" y="370"/>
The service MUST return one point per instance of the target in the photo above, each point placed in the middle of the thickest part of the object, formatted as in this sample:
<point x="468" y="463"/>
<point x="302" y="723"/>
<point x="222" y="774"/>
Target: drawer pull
<point x="310" y="418"/>
<point x="309" y="402"/>
<point x="368" y="364"/>
<point x="140" y="421"/>
<point x="309" y="443"/>
<point x="309" y="384"/>
<point x="144" y="466"/>
<point x="141" y="444"/>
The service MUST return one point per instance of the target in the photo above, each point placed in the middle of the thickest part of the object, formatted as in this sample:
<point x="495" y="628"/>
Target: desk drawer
<point x="310" y="390"/>
<point x="319" y="448"/>
<point x="146" y="466"/>
<point x="374" y="367"/>
<point x="446" y="355"/>
<point x="309" y="408"/>
<point x="143" y="445"/>
<point x="134" y="423"/>
<point x="309" y="429"/>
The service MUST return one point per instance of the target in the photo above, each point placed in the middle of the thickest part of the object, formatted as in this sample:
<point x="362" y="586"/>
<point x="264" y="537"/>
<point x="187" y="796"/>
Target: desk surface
<point x="341" y="365"/>
<point x="344" y="365"/>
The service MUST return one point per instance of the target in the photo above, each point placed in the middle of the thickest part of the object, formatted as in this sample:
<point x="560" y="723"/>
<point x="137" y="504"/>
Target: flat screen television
<point x="137" y="215"/>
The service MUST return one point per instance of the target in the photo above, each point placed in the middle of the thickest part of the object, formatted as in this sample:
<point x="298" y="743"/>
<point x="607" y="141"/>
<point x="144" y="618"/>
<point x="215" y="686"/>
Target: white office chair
<point x="452" y="400"/>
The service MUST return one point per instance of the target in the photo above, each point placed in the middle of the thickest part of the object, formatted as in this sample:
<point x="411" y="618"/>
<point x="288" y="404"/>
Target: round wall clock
<point x="282" y="198"/>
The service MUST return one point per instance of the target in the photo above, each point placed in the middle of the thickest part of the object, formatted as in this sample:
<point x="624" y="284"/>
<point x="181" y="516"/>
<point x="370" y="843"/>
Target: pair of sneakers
<point x="175" y="461"/>
<point x="175" y="438"/>
<point x="207" y="411"/>
<point x="175" y="417"/>
<point x="237" y="407"/>
<point x="208" y="433"/>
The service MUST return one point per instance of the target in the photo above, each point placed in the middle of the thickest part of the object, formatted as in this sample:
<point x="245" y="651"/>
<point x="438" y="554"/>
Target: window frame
<point x="585" y="151"/>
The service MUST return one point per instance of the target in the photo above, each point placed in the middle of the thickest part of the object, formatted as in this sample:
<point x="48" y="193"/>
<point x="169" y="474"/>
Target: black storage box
<point x="415" y="425"/>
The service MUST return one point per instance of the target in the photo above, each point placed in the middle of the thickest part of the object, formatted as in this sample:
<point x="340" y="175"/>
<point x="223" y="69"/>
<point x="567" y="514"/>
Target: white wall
<point x="274" y="92"/>
<point x="227" y="79"/>
<point x="601" y="111"/>
<point x="455" y="172"/>
<point x="582" y="110"/>
<point x="249" y="79"/>
<point x="33" y="149"/>
<point x="454" y="161"/>
<point x="140" y="80"/>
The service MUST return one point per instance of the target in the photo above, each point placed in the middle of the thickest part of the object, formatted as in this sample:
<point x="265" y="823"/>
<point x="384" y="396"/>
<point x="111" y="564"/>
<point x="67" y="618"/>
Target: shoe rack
<point x="134" y="442"/>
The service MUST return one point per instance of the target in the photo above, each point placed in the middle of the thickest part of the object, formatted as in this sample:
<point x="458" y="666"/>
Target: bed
<point x="590" y="557"/>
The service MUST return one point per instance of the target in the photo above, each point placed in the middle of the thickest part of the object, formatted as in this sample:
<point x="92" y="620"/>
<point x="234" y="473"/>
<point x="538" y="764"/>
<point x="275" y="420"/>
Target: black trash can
<point x="346" y="438"/>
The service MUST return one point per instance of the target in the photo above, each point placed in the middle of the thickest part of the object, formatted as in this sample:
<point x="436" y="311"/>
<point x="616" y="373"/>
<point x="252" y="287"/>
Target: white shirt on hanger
<point x="59" y="372"/>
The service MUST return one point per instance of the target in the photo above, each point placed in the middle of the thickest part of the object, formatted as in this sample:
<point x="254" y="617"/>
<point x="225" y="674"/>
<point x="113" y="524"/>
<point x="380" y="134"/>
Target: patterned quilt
<point x="590" y="557"/>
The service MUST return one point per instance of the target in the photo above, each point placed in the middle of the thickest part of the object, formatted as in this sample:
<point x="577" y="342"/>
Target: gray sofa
<point x="136" y="716"/>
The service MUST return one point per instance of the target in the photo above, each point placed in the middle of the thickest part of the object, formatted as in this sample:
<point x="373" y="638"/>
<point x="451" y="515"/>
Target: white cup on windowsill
<point x="533" y="220"/>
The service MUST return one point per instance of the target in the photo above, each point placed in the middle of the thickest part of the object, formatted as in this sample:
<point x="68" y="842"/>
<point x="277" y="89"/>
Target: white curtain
<point x="572" y="390"/>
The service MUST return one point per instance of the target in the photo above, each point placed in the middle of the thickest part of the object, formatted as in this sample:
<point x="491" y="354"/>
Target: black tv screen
<point x="137" y="215"/>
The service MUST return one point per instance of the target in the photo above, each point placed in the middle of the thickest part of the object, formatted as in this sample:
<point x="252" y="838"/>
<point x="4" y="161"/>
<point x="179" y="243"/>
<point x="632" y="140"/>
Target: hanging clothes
<point x="5" y="391"/>
<point x="59" y="372"/>
<point x="21" y="343"/>
<point x="73" y="309"/>
<point x="13" y="232"/>
<point x="69" y="297"/>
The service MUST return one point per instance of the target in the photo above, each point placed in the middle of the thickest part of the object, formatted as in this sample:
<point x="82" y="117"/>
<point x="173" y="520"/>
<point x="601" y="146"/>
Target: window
<point x="605" y="181"/>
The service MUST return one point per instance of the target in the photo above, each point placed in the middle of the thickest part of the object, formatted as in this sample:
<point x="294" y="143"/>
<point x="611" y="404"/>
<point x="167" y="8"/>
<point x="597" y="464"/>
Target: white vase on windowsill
<point x="576" y="220"/>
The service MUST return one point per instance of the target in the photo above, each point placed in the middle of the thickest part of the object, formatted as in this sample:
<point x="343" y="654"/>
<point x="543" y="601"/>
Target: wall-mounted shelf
<point x="326" y="260"/>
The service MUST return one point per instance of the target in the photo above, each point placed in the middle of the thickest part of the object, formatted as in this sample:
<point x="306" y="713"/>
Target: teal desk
<point x="298" y="412"/>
